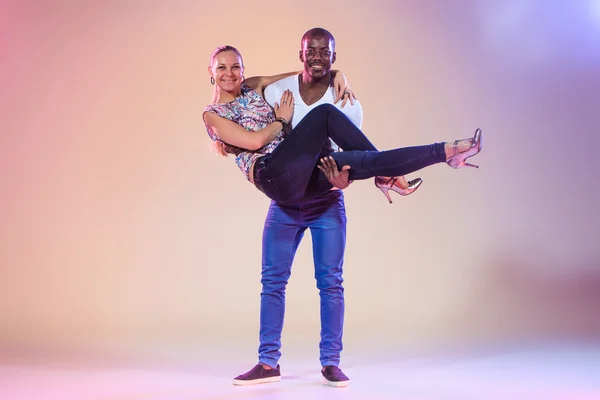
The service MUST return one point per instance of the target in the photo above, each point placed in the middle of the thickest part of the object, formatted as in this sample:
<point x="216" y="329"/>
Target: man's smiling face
<point x="317" y="54"/>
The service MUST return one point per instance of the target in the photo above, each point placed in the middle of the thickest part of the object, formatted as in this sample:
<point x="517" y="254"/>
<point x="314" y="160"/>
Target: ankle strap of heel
<point x="455" y="147"/>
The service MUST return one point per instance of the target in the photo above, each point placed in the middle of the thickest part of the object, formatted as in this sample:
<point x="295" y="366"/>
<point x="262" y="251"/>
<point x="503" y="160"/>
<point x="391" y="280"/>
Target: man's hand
<point x="337" y="178"/>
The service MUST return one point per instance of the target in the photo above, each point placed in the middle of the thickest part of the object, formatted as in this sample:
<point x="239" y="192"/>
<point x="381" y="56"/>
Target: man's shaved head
<point x="314" y="32"/>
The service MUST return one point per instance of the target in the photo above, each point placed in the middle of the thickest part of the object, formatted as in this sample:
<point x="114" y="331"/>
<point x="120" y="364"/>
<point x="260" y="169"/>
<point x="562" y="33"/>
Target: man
<point x="285" y="225"/>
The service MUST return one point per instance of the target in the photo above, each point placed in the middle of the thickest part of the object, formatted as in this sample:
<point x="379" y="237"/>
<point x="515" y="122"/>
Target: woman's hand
<point x="346" y="95"/>
<point x="341" y="89"/>
<point x="285" y="109"/>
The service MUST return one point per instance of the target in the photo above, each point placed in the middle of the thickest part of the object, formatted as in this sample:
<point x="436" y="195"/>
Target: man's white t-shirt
<point x="274" y="91"/>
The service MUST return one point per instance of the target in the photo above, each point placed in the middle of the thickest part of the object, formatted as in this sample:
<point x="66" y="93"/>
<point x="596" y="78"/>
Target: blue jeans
<point x="285" y="225"/>
<point x="289" y="175"/>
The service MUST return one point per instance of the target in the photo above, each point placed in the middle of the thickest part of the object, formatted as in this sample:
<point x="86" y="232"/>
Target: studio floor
<point x="550" y="372"/>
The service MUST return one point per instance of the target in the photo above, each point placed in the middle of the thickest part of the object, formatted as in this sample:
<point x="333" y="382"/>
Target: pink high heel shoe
<point x="458" y="160"/>
<point x="385" y="184"/>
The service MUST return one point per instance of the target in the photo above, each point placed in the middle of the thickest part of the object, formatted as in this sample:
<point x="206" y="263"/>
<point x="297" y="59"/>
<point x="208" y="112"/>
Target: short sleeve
<point x="213" y="136"/>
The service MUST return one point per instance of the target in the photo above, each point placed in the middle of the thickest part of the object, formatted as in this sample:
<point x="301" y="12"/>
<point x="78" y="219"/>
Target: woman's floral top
<point x="252" y="112"/>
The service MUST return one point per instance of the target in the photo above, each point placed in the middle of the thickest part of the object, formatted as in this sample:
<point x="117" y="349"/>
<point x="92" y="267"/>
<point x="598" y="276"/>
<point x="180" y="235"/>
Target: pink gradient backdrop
<point x="121" y="230"/>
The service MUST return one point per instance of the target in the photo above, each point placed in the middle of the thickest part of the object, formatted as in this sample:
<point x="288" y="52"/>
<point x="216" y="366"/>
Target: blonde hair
<point x="218" y="146"/>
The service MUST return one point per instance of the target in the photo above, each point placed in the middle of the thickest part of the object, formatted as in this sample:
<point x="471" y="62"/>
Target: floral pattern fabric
<point x="253" y="113"/>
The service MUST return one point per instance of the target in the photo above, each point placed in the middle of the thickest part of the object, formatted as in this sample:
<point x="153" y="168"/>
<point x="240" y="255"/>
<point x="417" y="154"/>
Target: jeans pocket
<point x="282" y="188"/>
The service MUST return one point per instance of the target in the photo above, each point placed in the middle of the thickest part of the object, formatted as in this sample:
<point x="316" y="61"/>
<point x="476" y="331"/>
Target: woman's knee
<point x="327" y="106"/>
<point x="328" y="109"/>
<point x="322" y="109"/>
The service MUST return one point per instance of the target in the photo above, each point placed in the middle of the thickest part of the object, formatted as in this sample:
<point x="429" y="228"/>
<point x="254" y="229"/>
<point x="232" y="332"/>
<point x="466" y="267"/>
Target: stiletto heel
<point x="458" y="159"/>
<point x="386" y="184"/>
<point x="386" y="192"/>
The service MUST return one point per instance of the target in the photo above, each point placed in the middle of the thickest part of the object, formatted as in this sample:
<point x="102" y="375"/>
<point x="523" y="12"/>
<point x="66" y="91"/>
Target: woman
<point x="282" y="163"/>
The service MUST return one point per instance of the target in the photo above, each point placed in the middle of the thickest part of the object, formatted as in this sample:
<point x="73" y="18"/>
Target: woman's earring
<point x="212" y="80"/>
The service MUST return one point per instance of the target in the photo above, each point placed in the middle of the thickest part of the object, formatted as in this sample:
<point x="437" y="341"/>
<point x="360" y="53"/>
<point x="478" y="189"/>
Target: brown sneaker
<point x="258" y="374"/>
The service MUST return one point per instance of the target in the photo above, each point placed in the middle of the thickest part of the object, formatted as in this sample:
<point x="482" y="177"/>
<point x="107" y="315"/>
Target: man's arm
<point x="258" y="83"/>
<point x="340" y="178"/>
<point x="339" y="84"/>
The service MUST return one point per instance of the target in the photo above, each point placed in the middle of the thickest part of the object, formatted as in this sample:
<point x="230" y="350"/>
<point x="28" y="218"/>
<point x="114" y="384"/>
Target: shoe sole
<point x="272" y="379"/>
<point x="336" y="384"/>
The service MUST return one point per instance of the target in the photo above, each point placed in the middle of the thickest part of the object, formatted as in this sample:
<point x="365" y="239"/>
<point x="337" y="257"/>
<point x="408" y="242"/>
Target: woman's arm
<point x="341" y="89"/>
<point x="258" y="83"/>
<point x="234" y="134"/>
